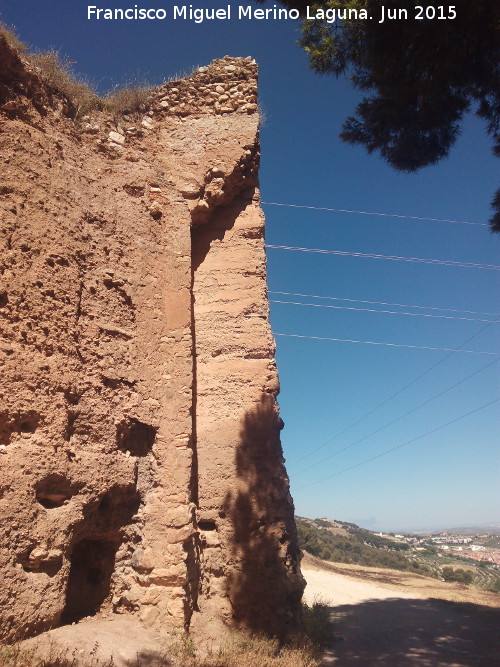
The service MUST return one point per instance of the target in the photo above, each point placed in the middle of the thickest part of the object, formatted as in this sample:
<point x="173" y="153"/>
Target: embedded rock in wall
<point x="141" y="468"/>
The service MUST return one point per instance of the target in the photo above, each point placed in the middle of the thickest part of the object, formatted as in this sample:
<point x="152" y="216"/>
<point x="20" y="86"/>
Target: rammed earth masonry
<point x="142" y="471"/>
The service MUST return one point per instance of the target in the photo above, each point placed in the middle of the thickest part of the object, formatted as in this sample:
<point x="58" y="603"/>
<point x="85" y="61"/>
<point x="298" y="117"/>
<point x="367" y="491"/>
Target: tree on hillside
<point x="420" y="76"/>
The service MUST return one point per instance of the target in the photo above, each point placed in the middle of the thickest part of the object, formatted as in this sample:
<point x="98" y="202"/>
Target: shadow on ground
<point x="402" y="632"/>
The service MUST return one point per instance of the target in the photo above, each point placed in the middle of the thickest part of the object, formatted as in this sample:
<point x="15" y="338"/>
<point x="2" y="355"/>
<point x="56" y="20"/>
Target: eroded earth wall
<point x="140" y="465"/>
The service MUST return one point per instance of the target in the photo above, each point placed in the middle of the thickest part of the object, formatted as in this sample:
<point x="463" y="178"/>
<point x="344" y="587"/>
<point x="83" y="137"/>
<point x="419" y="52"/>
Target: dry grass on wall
<point x="132" y="99"/>
<point x="57" y="74"/>
<point x="12" y="38"/>
<point x="56" y="71"/>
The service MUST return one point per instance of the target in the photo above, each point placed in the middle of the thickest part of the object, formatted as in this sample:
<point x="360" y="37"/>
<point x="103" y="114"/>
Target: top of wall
<point x="226" y="85"/>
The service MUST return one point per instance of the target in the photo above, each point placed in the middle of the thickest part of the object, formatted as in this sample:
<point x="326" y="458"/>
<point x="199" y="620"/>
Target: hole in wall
<point x="71" y="419"/>
<point x="54" y="490"/>
<point x="56" y="259"/>
<point x="135" y="437"/>
<point x="27" y="427"/>
<point x="19" y="422"/>
<point x="72" y="395"/>
<point x="115" y="383"/>
<point x="41" y="560"/>
<point x="4" y="299"/>
<point x="117" y="507"/>
<point x="89" y="583"/>
<point x="134" y="190"/>
<point x="207" y="525"/>
<point x="28" y="422"/>
<point x="94" y="551"/>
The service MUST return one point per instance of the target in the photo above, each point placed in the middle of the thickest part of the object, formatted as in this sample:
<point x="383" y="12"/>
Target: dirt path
<point x="393" y="619"/>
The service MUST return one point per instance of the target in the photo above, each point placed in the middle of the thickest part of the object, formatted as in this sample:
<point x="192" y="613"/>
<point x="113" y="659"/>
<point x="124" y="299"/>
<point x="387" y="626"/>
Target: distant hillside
<point x="343" y="542"/>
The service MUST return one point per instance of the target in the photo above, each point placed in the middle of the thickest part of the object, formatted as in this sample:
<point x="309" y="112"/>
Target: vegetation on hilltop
<point x="342" y="542"/>
<point x="56" y="71"/>
<point x="356" y="546"/>
<point x="492" y="542"/>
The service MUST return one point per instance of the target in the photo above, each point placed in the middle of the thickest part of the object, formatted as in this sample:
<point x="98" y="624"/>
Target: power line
<point x="385" y="215"/>
<point x="396" y="258"/>
<point x="394" y="421"/>
<point x="394" y="394"/>
<point x="384" y="303"/>
<point x="386" y="312"/>
<point x="404" y="444"/>
<point x="372" y="342"/>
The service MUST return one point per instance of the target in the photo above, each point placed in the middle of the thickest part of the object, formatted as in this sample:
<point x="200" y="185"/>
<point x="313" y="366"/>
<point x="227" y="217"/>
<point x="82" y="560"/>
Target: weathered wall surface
<point x="141" y="470"/>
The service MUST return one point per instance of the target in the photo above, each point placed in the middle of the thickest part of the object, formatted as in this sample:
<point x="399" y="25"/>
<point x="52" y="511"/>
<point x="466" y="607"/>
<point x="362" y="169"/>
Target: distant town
<point x="484" y="547"/>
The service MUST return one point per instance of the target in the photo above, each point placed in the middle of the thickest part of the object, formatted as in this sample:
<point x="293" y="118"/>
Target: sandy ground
<point x="392" y="619"/>
<point x="338" y="589"/>
<point x="98" y="639"/>
<point x="383" y="618"/>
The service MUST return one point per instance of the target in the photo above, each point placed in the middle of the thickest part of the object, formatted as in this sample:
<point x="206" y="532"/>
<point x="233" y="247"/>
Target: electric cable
<point x="394" y="421"/>
<point x="394" y="394"/>
<point x="386" y="312"/>
<point x="404" y="444"/>
<point x="395" y="258"/>
<point x="383" y="303"/>
<point x="374" y="342"/>
<point x="385" y="215"/>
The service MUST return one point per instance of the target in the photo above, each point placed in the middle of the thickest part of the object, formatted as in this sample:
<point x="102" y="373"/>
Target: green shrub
<point x="459" y="575"/>
<point x="317" y="625"/>
<point x="351" y="548"/>
<point x="494" y="587"/>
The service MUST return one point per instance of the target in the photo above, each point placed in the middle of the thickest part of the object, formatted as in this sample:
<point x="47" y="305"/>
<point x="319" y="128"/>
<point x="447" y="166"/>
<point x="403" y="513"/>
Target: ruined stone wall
<point x="140" y="464"/>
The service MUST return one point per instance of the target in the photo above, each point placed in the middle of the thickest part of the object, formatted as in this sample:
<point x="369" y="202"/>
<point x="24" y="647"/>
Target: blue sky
<point x="450" y="477"/>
